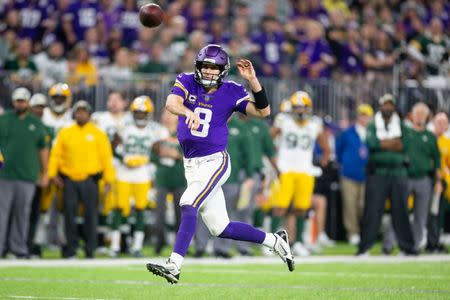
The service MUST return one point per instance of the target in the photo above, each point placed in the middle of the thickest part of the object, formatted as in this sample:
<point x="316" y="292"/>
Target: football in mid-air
<point x="151" y="15"/>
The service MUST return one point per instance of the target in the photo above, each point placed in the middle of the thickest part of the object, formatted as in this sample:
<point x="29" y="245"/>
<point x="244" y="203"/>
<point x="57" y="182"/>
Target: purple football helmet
<point x="214" y="55"/>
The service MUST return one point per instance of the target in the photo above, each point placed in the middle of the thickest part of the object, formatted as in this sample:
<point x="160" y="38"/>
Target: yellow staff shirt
<point x="79" y="152"/>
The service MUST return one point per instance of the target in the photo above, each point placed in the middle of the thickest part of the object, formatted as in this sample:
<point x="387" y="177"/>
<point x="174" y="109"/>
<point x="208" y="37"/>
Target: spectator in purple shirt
<point x="53" y="25"/>
<point x="318" y="12"/>
<point x="110" y="15"/>
<point x="80" y="16"/>
<point x="32" y="19"/>
<point x="412" y="23"/>
<point x="218" y="33"/>
<point x="197" y="16"/>
<point x="350" y="56"/>
<point x="129" y="22"/>
<point x="440" y="10"/>
<point x="314" y="54"/>
<point x="143" y="44"/>
<point x="97" y="49"/>
<point x="269" y="46"/>
<point x="300" y="9"/>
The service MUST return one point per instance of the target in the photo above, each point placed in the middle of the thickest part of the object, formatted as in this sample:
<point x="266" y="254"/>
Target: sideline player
<point x="297" y="132"/>
<point x="133" y="171"/>
<point x="204" y="101"/>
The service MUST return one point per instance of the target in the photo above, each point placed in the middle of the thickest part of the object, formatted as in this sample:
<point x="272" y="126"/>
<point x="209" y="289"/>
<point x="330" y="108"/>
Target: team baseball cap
<point x="386" y="98"/>
<point x="82" y="104"/>
<point x="38" y="100"/>
<point x="365" y="109"/>
<point x="21" y="94"/>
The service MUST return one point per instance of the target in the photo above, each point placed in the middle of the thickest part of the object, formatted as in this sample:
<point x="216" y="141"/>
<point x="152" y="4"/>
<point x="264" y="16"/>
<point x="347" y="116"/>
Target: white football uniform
<point x="296" y="143"/>
<point x="111" y="124"/>
<point x="135" y="150"/>
<point x="57" y="122"/>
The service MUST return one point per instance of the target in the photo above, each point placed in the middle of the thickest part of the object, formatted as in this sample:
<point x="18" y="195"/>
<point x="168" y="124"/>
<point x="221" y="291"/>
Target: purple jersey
<point x="31" y="17"/>
<point x="313" y="51"/>
<point x="110" y="18"/>
<point x="350" y="60"/>
<point x="83" y="15"/>
<point x="129" y="23"/>
<point x="270" y="45"/>
<point x="214" y="110"/>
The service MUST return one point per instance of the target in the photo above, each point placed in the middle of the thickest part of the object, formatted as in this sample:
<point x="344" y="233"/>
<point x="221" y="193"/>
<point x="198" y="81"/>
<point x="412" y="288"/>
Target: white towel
<point x="388" y="131"/>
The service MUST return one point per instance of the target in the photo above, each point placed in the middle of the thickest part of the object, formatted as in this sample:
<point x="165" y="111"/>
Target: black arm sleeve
<point x="261" y="100"/>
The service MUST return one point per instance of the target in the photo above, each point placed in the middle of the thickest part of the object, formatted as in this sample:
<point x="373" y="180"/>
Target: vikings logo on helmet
<point x="212" y="55"/>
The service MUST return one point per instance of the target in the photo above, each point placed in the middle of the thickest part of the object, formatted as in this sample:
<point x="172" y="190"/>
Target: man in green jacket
<point x="25" y="148"/>
<point x="387" y="140"/>
<point x="423" y="171"/>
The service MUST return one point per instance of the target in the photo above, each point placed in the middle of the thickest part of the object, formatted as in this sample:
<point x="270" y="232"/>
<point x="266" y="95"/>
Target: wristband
<point x="261" y="100"/>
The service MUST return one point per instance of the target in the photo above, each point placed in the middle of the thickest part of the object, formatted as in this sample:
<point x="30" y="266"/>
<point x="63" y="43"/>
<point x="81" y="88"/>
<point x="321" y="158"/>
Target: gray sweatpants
<point x="15" y="203"/>
<point x="422" y="189"/>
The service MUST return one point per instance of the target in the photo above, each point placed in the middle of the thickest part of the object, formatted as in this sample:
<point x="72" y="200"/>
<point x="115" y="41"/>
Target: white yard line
<point x="100" y="262"/>
<point x="162" y="282"/>
<point x="299" y="272"/>
<point x="60" y="298"/>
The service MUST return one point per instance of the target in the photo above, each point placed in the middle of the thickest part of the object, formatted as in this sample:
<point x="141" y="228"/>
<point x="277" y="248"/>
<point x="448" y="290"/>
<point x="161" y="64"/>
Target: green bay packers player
<point x="297" y="133"/>
<point x="56" y="115"/>
<point x="112" y="121"/>
<point x="133" y="171"/>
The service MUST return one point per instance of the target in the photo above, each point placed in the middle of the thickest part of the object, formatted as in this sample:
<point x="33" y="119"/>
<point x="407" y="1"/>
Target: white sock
<point x="41" y="237"/>
<point x="115" y="240"/>
<point x="138" y="240"/>
<point x="270" y="240"/>
<point x="177" y="259"/>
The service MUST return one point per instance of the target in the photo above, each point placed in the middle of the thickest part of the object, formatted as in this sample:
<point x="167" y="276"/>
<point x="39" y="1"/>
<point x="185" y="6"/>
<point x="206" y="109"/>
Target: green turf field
<point x="345" y="278"/>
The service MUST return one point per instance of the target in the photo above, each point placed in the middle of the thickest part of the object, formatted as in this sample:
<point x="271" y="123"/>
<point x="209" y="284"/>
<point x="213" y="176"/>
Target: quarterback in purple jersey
<point x="204" y="101"/>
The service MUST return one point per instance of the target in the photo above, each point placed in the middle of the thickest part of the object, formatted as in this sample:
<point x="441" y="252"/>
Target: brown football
<point x="151" y="15"/>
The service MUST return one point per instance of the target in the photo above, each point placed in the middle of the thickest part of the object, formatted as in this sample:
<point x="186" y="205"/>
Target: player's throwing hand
<point x="246" y="69"/>
<point x="192" y="120"/>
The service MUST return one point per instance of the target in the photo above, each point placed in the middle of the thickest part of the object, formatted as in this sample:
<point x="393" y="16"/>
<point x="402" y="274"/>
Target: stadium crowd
<point x="54" y="53"/>
<point x="86" y="42"/>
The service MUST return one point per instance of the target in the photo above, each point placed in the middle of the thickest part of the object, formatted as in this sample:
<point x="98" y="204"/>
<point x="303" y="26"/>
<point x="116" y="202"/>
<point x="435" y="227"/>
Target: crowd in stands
<point x="79" y="42"/>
